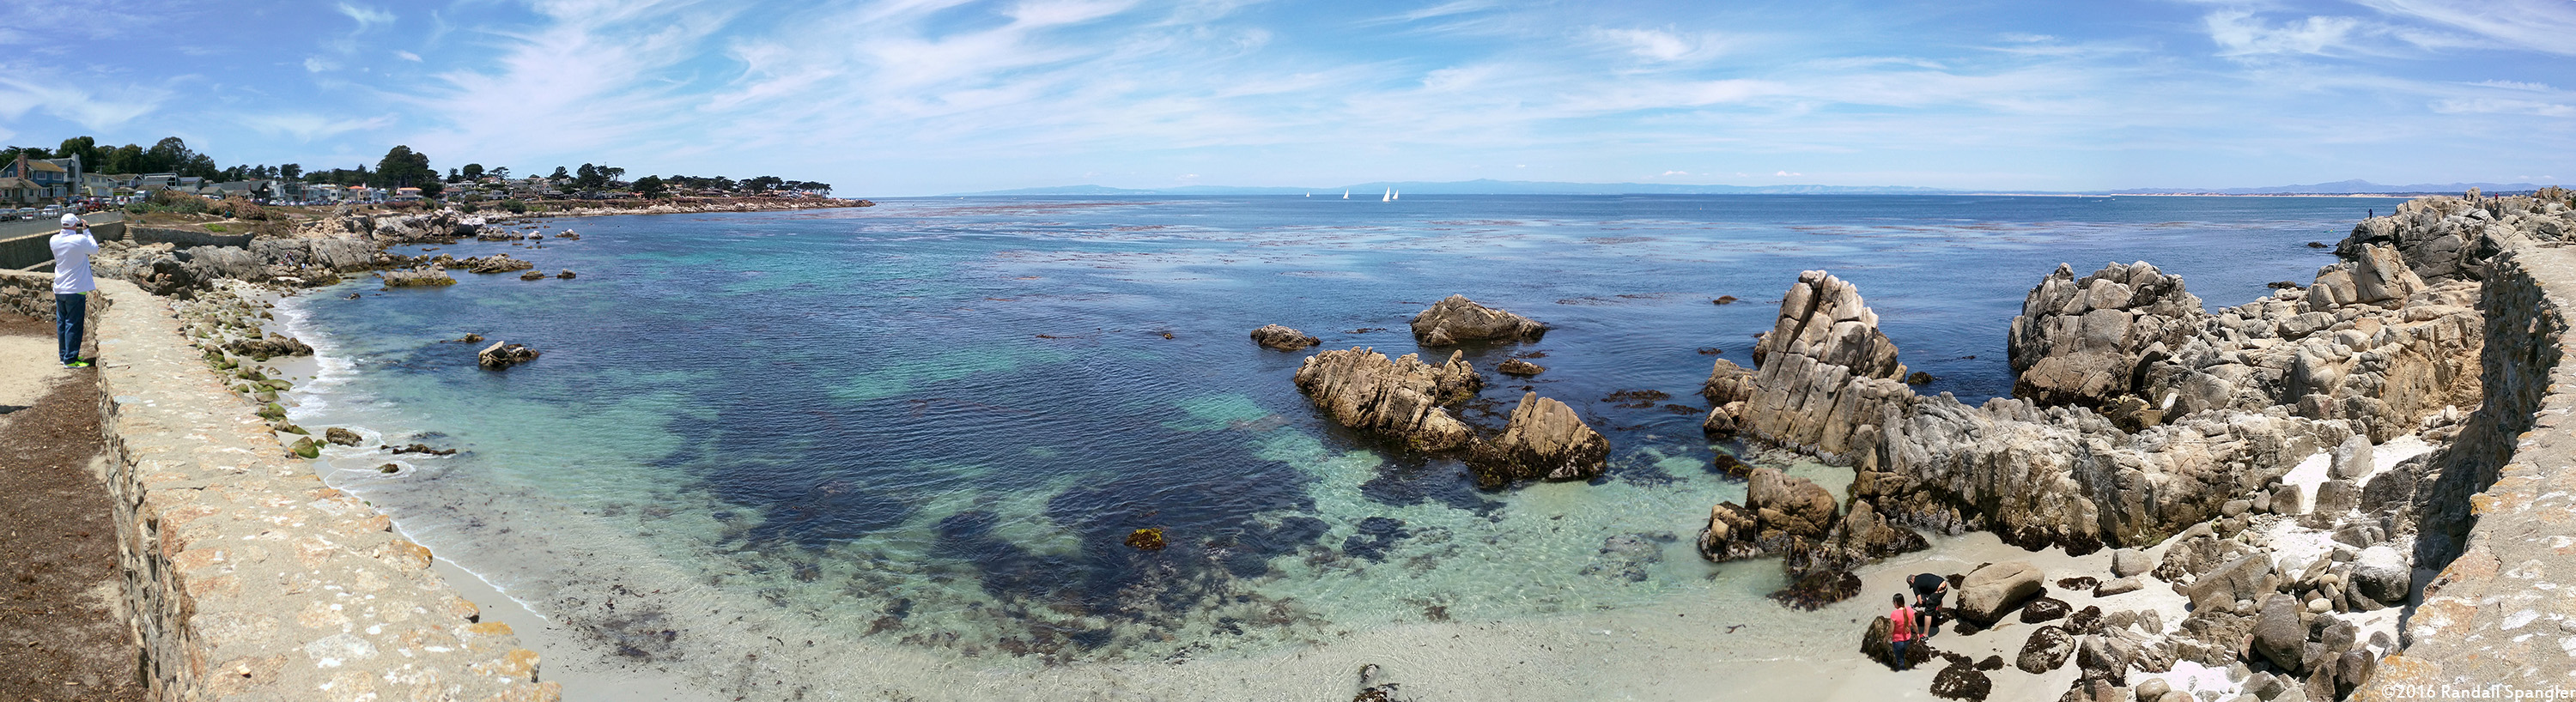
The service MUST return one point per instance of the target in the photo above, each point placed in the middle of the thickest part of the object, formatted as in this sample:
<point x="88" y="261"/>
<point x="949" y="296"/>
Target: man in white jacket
<point x="72" y="284"/>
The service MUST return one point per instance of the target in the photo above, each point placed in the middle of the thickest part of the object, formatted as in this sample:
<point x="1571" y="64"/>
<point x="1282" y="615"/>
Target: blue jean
<point x="71" y="316"/>
<point x="1900" y="653"/>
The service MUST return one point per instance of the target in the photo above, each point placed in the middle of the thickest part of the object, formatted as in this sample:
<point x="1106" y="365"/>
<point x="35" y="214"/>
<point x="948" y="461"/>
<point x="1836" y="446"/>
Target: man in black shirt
<point x="1929" y="590"/>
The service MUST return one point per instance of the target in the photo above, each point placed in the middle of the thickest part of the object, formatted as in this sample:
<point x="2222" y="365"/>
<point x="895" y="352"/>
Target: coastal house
<point x="156" y="181"/>
<point x="406" y="194"/>
<point x="51" y="180"/>
<point x="18" y="191"/>
<point x="325" y="192"/>
<point x="101" y="184"/>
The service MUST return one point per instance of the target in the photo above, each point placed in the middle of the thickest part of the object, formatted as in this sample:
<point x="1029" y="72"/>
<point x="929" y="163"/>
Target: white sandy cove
<point x="1683" y="648"/>
<point x="1675" y="650"/>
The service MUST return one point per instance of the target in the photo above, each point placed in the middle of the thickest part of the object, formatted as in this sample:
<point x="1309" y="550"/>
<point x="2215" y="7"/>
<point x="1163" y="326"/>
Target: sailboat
<point x="1390" y="196"/>
<point x="1346" y="193"/>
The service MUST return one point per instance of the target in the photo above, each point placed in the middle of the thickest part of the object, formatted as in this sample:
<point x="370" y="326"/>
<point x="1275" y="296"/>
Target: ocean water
<point x="924" y="429"/>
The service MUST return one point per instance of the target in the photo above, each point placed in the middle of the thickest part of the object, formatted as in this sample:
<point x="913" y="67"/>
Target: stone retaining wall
<point x="2503" y="612"/>
<point x="32" y="294"/>
<point x="184" y="238"/>
<point x="245" y="577"/>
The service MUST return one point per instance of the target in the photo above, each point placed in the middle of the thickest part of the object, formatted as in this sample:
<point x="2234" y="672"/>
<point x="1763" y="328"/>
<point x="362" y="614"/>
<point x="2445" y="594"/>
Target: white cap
<point x="71" y="220"/>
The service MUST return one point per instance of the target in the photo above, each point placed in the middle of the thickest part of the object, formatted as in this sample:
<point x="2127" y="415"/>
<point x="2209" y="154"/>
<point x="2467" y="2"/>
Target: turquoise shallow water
<point x="930" y="424"/>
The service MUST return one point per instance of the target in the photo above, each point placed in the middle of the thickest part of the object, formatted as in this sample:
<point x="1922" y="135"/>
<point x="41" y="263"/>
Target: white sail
<point x="1388" y="197"/>
<point x="1392" y="195"/>
<point x="1346" y="194"/>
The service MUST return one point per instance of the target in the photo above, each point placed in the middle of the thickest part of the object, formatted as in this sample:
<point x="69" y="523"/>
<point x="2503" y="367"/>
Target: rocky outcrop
<point x="2446" y="238"/>
<point x="502" y="355"/>
<point x="335" y="254"/>
<point x="1825" y="370"/>
<point x="1456" y="319"/>
<point x="1728" y="387"/>
<point x="2081" y="341"/>
<point x="418" y="277"/>
<point x="2374" y="275"/>
<point x="1518" y="367"/>
<point x="1543" y="440"/>
<point x="1275" y="337"/>
<point x="163" y="270"/>
<point x="496" y="263"/>
<point x="1403" y="399"/>
<point x="1785" y="513"/>
<point x="1861" y="537"/>
<point x="269" y="346"/>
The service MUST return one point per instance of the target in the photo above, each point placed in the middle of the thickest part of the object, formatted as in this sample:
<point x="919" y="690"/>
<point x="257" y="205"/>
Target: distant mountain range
<point x="2342" y="187"/>
<point x="1525" y="187"/>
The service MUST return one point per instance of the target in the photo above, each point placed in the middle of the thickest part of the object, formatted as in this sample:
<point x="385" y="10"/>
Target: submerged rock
<point x="340" y="436"/>
<point x="1148" y="539"/>
<point x="1456" y="319"/>
<point x="1519" y="367"/>
<point x="1279" y="338"/>
<point x="1403" y="399"/>
<point x="502" y="355"/>
<point x="1543" y="439"/>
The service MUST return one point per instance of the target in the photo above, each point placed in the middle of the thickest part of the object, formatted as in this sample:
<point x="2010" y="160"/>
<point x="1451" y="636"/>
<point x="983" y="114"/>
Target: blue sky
<point x="913" y="97"/>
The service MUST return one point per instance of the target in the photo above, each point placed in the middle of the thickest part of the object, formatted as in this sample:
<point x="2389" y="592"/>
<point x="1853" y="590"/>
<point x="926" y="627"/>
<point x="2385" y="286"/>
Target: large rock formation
<point x="1456" y="319"/>
<point x="2081" y="340"/>
<point x="1824" y="371"/>
<point x="1402" y="399"/>
<point x="1543" y="440"/>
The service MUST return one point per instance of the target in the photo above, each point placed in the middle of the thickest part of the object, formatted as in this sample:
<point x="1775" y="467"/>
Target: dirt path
<point x="60" y="638"/>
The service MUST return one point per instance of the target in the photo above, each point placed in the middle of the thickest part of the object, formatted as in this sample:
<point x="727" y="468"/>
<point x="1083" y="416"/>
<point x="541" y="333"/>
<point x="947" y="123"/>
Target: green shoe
<point x="76" y="364"/>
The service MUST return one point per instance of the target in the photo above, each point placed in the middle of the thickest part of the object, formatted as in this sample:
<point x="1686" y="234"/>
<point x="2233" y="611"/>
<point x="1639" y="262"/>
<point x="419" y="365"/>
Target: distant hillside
<point x="1483" y="187"/>
<point x="2342" y="187"/>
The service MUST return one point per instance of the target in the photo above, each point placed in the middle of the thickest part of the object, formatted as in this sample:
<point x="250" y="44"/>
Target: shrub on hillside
<point x="238" y="208"/>
<point x="515" y="206"/>
<point x="179" y="202"/>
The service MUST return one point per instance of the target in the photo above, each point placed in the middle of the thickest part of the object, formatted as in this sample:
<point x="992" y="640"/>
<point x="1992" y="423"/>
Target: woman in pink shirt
<point x="1902" y="632"/>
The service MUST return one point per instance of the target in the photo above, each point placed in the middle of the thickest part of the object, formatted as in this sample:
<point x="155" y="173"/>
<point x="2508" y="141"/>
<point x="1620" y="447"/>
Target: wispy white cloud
<point x="1659" y="44"/>
<point x="2241" y="33"/>
<point x="2531" y="25"/>
<point x="306" y="127"/>
<point x="367" y="17"/>
<point x="2501" y="106"/>
<point x="88" y="105"/>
